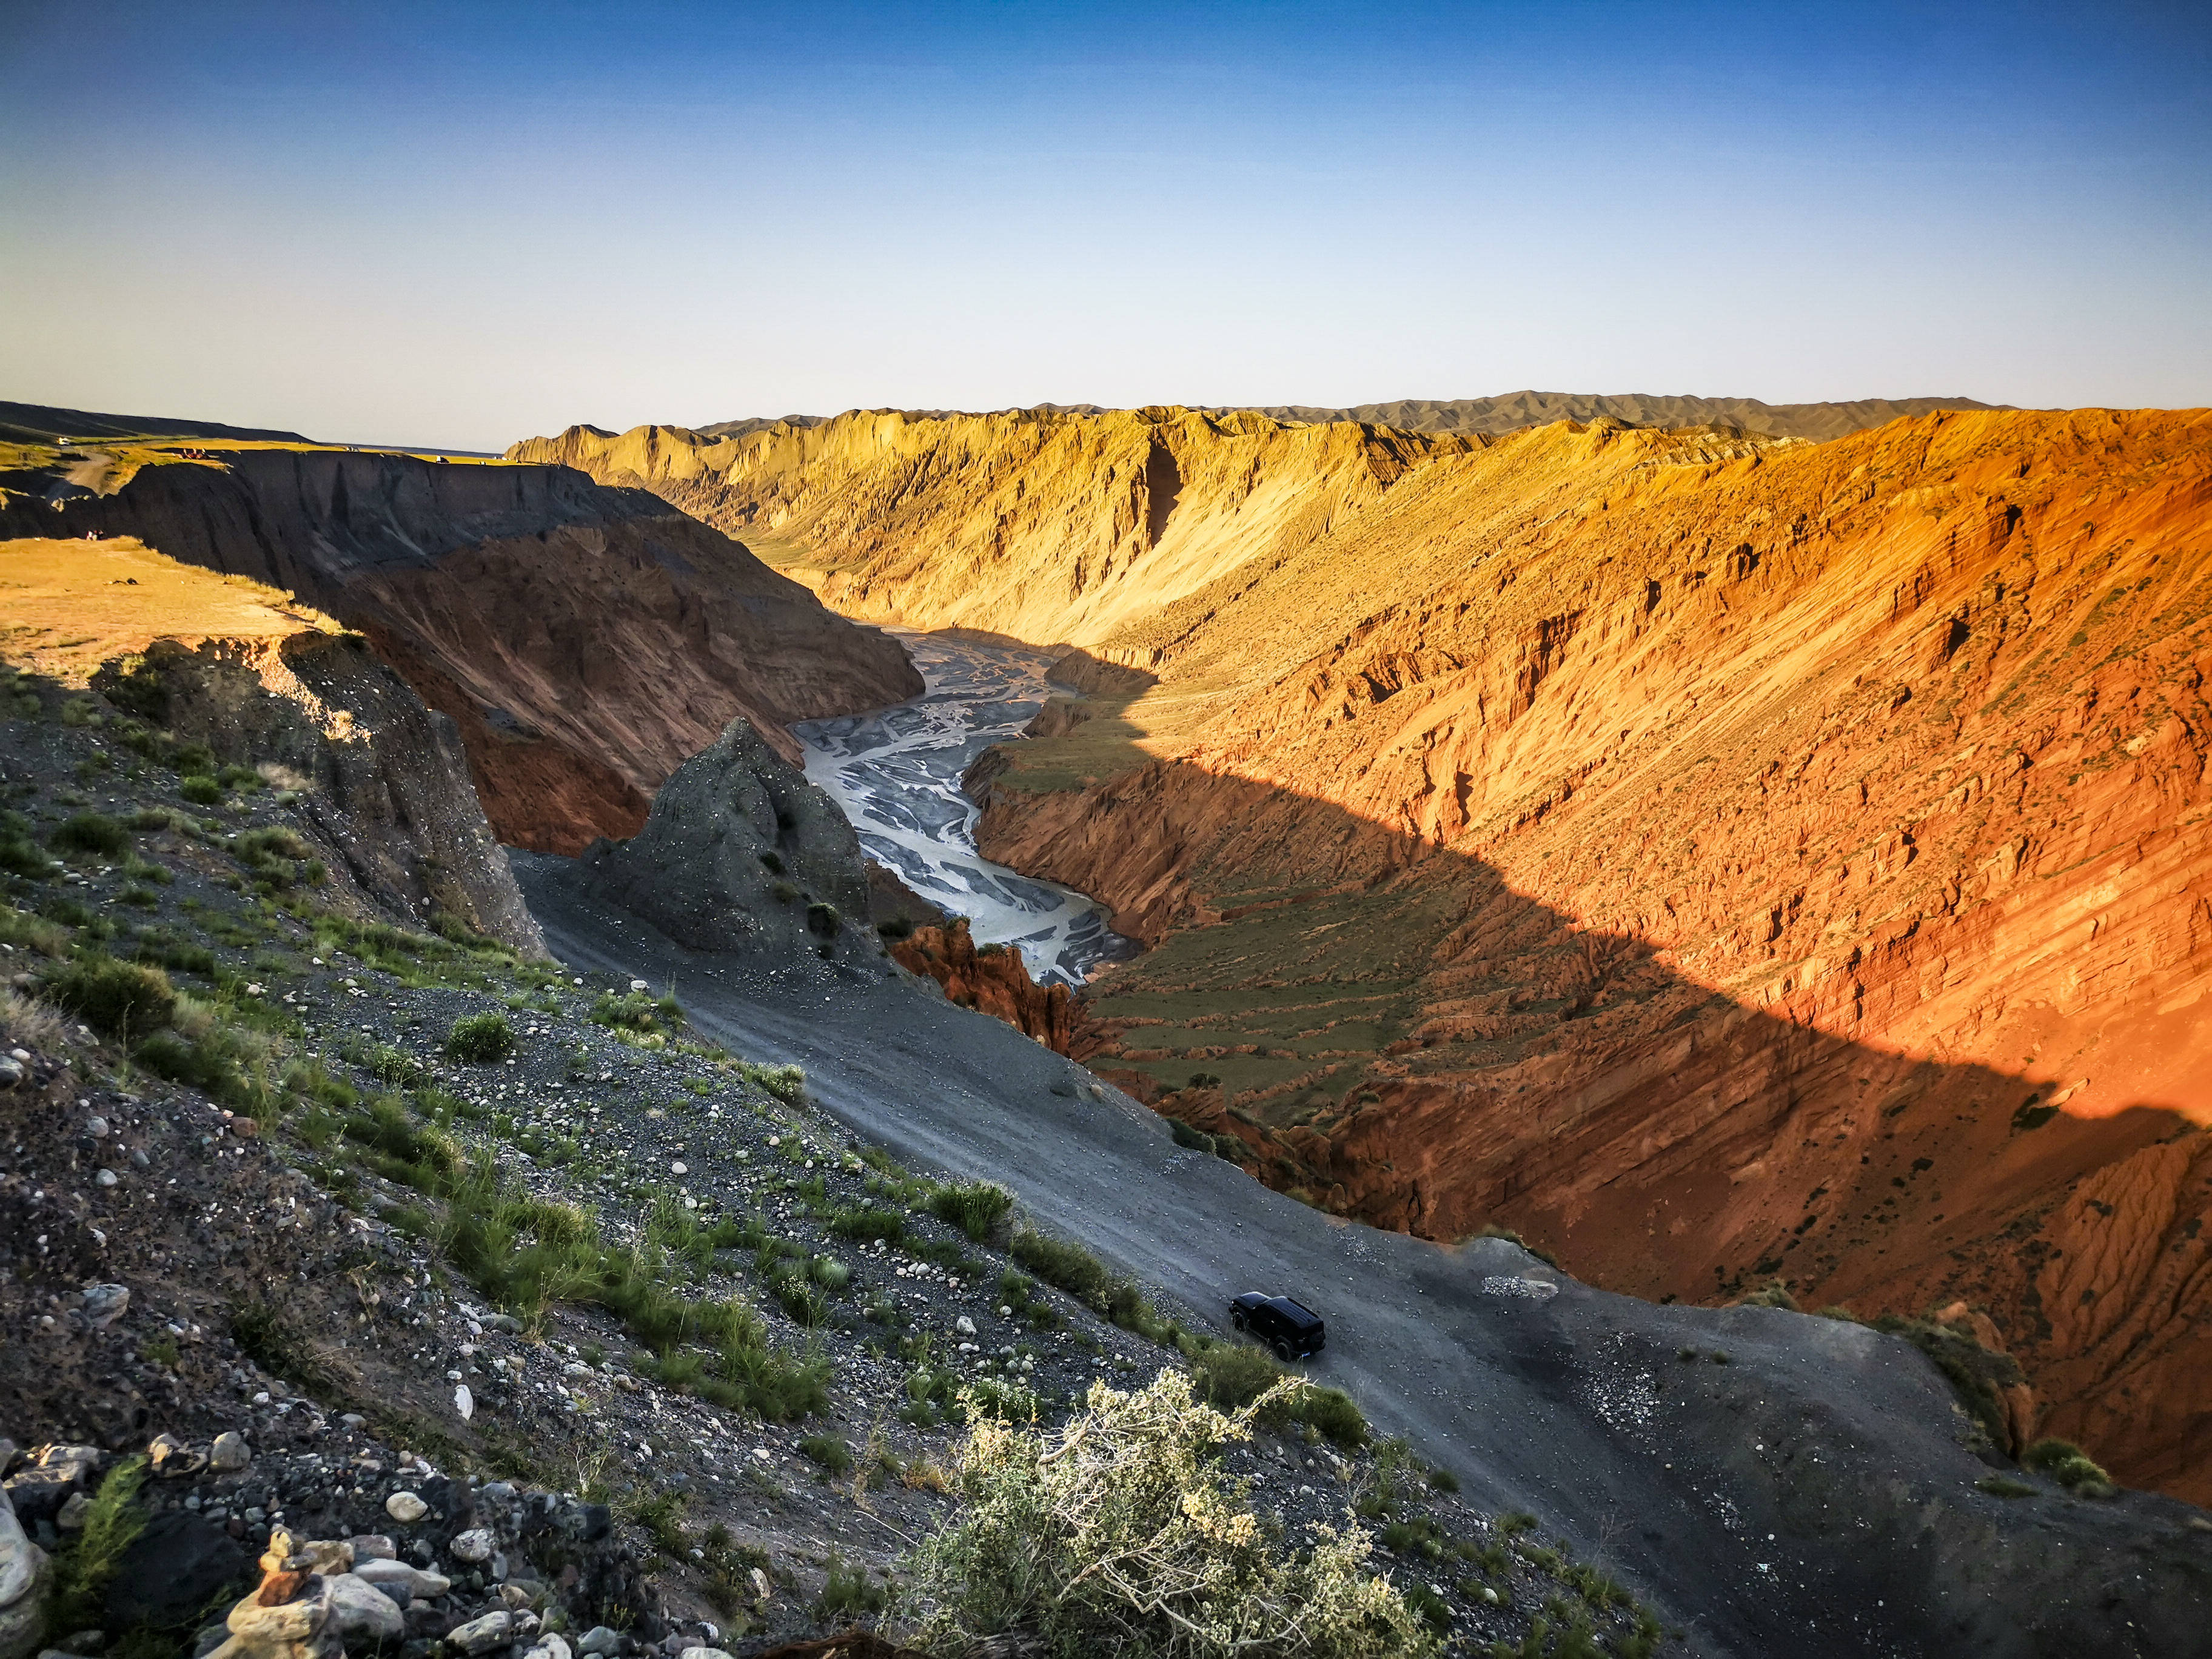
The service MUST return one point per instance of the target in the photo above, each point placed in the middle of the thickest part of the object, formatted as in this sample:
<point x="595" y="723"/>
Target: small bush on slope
<point x="1117" y="1533"/>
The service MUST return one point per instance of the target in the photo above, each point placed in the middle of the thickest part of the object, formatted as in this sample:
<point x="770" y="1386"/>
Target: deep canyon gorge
<point x="1717" y="857"/>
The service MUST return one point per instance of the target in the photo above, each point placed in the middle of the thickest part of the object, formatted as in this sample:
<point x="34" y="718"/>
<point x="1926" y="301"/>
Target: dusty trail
<point x="1807" y="1495"/>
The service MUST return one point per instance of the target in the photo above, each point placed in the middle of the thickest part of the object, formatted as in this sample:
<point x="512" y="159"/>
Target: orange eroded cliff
<point x="1719" y="858"/>
<point x="993" y="979"/>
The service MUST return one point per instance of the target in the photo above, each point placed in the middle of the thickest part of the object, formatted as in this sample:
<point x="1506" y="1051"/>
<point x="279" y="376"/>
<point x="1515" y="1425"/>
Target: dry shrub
<point x="1118" y="1533"/>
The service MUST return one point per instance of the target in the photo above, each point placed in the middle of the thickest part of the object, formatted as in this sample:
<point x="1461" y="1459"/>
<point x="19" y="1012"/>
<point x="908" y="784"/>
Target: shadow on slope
<point x="1400" y="1037"/>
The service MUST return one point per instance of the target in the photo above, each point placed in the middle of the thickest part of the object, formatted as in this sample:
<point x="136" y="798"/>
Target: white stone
<point x="494" y="1630"/>
<point x="472" y="1547"/>
<point x="464" y="1402"/>
<point x="405" y="1507"/>
<point x="964" y="1325"/>
<point x="703" y="1653"/>
<point x="230" y="1453"/>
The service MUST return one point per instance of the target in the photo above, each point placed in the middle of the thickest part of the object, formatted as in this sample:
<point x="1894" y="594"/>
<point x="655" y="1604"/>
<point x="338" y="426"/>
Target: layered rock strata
<point x="585" y="639"/>
<point x="1715" y="858"/>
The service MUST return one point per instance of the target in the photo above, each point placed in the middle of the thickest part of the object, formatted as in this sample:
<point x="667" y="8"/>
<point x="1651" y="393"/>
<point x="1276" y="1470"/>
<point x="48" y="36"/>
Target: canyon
<point x="1717" y="857"/>
<point x="583" y="640"/>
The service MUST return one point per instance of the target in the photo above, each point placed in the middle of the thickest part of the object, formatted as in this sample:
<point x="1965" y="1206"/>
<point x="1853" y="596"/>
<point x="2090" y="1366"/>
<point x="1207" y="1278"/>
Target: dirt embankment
<point x="585" y="639"/>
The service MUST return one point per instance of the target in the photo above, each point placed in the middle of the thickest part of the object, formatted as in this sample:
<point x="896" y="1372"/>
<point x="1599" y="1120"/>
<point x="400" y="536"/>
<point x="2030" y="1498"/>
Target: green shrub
<point x="2003" y="1486"/>
<point x="200" y="789"/>
<point x="869" y="1222"/>
<point x="123" y="999"/>
<point x="896" y="928"/>
<point x="1068" y="1266"/>
<point x="93" y="833"/>
<point x="821" y="918"/>
<point x="1116" y="1533"/>
<point x="22" y="856"/>
<point x="975" y="1207"/>
<point x="846" y="1593"/>
<point x="1231" y="1375"/>
<point x="2071" y="1467"/>
<point x="833" y="1452"/>
<point x="635" y="1010"/>
<point x="1979" y="1374"/>
<point x="787" y="1082"/>
<point x="279" y="857"/>
<point x="111" y="1525"/>
<point x="480" y="1039"/>
<point x="784" y="892"/>
<point x="23" y="930"/>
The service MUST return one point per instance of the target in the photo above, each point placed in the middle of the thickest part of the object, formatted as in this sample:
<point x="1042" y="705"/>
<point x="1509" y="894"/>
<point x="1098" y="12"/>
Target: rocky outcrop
<point x="585" y="639"/>
<point x="993" y="979"/>
<point x="382" y="780"/>
<point x="743" y="856"/>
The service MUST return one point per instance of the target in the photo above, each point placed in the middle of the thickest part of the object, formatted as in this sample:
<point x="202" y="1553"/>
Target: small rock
<point x="599" y="1641"/>
<point x="105" y="1178"/>
<point x="472" y="1547"/>
<point x="364" y="1614"/>
<point x="11" y="1072"/>
<point x="97" y="1128"/>
<point x="74" y="1509"/>
<point x="85" y="1641"/>
<point x="703" y="1653"/>
<point x="353" y="1419"/>
<point x="105" y="1304"/>
<point x="372" y="1546"/>
<point x="384" y="1573"/>
<point x="464" y="1402"/>
<point x="762" y="1585"/>
<point x="964" y="1325"/>
<point x="230" y="1453"/>
<point x="405" y="1508"/>
<point x="494" y="1630"/>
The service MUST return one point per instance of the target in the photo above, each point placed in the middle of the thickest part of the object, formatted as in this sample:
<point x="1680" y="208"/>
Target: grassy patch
<point x="480" y="1039"/>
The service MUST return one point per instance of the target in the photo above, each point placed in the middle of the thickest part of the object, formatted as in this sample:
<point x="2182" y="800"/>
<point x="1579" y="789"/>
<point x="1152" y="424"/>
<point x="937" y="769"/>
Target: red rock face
<point x="994" y="982"/>
<point x="1808" y="859"/>
<point x="585" y="640"/>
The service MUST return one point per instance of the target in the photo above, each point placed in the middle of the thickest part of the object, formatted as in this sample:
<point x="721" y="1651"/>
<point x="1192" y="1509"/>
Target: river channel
<point x="896" y="774"/>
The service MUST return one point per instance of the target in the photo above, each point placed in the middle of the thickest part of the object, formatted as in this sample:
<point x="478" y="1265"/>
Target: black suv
<point x="1293" y="1331"/>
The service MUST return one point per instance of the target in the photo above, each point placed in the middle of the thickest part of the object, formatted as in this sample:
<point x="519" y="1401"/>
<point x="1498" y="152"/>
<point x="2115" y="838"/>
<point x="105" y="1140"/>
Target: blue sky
<point x="465" y="224"/>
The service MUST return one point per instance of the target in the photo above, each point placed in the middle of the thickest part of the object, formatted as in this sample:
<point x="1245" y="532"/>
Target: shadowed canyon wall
<point x="1717" y="858"/>
<point x="585" y="639"/>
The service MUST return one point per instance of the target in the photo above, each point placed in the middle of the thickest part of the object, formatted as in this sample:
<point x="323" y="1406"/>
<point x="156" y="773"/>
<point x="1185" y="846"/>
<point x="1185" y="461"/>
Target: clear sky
<point x="467" y="223"/>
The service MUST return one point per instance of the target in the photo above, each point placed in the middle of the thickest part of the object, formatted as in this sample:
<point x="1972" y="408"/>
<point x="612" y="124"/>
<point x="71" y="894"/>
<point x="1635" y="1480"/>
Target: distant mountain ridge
<point x="1511" y="410"/>
<point x="42" y="423"/>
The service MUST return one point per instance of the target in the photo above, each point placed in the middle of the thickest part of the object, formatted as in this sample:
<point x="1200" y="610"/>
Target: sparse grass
<point x="847" y="1594"/>
<point x="832" y="1452"/>
<point x="975" y="1207"/>
<point x="480" y="1039"/>
<point x="111" y="1525"/>
<point x="122" y="999"/>
<point x="94" y="834"/>
<point x="2003" y="1486"/>
<point x="2071" y="1467"/>
<point x="787" y="1082"/>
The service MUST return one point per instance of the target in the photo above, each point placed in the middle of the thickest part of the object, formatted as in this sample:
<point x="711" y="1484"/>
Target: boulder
<point x="742" y="855"/>
<point x="172" y="1569"/>
<point x="363" y="1614"/>
<point x="25" y="1577"/>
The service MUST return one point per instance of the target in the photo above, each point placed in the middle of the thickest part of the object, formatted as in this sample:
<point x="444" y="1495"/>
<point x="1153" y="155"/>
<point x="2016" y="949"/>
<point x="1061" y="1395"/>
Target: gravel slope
<point x="1768" y="1481"/>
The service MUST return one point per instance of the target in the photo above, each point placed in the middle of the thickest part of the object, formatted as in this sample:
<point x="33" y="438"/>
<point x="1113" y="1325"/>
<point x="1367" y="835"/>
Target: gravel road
<point x="1767" y="1481"/>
